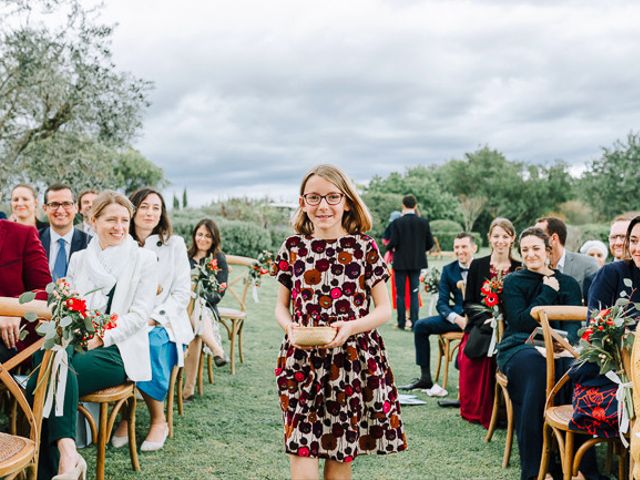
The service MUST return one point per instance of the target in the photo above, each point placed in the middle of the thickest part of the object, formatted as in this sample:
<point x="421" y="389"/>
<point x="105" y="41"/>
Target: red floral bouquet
<point x="262" y="267"/>
<point x="205" y="278"/>
<point x="431" y="281"/>
<point x="491" y="291"/>
<point x="71" y="322"/>
<point x="490" y="303"/>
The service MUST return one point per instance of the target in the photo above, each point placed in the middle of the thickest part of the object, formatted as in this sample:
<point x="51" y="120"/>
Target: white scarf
<point x="102" y="268"/>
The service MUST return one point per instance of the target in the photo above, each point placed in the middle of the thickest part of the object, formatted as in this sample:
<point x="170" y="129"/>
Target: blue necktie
<point x="60" y="265"/>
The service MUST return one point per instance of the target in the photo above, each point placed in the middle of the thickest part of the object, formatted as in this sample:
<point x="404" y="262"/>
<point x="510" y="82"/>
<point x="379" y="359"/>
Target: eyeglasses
<point x="314" y="199"/>
<point x="57" y="205"/>
<point x="618" y="238"/>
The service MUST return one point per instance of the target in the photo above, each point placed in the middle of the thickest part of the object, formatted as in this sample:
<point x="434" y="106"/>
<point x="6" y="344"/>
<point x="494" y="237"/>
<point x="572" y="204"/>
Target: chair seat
<point x="452" y="335"/>
<point x="559" y="417"/>
<point x="15" y="452"/>
<point x="232" y="313"/>
<point x="502" y="379"/>
<point x="111" y="394"/>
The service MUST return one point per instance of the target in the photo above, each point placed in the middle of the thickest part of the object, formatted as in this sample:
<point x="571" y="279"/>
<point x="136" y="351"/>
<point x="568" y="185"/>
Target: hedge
<point x="446" y="230"/>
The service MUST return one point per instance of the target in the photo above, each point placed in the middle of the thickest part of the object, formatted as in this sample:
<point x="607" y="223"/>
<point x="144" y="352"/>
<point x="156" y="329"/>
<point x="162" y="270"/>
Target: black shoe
<point x="220" y="361"/>
<point x="449" y="403"/>
<point x="417" y="383"/>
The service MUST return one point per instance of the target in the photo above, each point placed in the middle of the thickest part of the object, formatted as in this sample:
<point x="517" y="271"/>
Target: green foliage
<point x="434" y="200"/>
<point x="445" y="225"/>
<point x="62" y="100"/>
<point x="176" y="202"/>
<point x="185" y="201"/>
<point x="446" y="230"/>
<point x="381" y="205"/>
<point x="593" y="231"/>
<point x="610" y="184"/>
<point x="521" y="192"/>
<point x="574" y="212"/>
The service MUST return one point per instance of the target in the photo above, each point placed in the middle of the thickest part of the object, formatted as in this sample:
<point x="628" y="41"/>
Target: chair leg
<point x="567" y="466"/>
<point x="240" y="330"/>
<point x="170" y="398"/>
<point x="494" y="413"/>
<point x="232" y="345"/>
<point x="180" y="391"/>
<point x="201" y="373"/>
<point x="546" y="451"/>
<point x="509" y="440"/>
<point x="447" y="359"/>
<point x="608" y="461"/>
<point x="102" y="441"/>
<point x="133" y="451"/>
<point x="210" y="369"/>
<point x="440" y="355"/>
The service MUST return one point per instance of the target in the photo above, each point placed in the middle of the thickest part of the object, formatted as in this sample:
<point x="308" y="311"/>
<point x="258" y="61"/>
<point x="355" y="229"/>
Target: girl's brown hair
<point x="164" y="230"/>
<point x="214" y="231"/>
<point x="355" y="220"/>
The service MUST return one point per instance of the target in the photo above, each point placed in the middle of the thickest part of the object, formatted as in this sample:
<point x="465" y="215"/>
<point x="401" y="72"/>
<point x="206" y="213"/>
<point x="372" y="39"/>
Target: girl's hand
<point x="95" y="342"/>
<point x="345" y="330"/>
<point x="290" y="335"/>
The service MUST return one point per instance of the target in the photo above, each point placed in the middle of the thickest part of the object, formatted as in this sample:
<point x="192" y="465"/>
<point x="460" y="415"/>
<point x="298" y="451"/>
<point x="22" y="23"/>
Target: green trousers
<point x="88" y="372"/>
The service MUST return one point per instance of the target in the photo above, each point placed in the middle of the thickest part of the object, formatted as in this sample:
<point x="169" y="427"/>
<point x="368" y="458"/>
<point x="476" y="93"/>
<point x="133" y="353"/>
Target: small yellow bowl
<point x="313" y="336"/>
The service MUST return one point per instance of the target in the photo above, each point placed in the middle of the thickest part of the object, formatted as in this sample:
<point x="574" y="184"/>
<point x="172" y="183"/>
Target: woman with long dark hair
<point x="206" y="243"/>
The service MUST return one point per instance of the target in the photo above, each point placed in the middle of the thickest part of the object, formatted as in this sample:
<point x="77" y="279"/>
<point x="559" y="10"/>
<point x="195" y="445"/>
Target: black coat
<point x="410" y="240"/>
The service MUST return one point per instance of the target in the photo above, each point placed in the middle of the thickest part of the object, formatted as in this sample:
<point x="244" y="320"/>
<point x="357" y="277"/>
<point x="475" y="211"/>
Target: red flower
<point x="486" y="288"/>
<point x="600" y="327"/>
<point x="587" y="334"/>
<point x="299" y="376"/>
<point x="77" y="305"/>
<point x="491" y="300"/>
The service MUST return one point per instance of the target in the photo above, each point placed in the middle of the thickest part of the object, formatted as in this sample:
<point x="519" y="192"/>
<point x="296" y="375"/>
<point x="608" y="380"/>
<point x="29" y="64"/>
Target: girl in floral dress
<point x="339" y="400"/>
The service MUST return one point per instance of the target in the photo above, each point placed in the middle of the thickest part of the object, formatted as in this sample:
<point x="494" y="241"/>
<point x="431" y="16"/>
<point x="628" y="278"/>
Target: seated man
<point x="449" y="306"/>
<point x="23" y="267"/>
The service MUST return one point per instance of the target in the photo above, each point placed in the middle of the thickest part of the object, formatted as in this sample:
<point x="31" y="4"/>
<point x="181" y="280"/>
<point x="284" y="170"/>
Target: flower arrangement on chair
<point x="603" y="342"/>
<point x="490" y="303"/>
<point x="431" y="281"/>
<point x="71" y="325"/>
<point x="262" y="266"/>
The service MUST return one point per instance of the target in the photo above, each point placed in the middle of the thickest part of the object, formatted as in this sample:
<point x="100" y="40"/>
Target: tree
<point x="610" y="183"/>
<point x="176" y="202"/>
<point x="471" y="208"/>
<point x="59" y="88"/>
<point x="184" y="198"/>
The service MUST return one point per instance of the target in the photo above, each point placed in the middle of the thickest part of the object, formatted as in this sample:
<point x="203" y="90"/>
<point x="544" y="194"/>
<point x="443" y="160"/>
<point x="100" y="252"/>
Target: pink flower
<point x="386" y="406"/>
<point x="336" y="292"/>
<point x="303" y="452"/>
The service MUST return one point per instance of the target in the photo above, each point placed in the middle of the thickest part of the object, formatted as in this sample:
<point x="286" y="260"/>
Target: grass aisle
<point x="234" y="431"/>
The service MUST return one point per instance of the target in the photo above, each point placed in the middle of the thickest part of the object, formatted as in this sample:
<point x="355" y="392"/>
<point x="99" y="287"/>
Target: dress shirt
<point x="54" y="246"/>
<point x="560" y="265"/>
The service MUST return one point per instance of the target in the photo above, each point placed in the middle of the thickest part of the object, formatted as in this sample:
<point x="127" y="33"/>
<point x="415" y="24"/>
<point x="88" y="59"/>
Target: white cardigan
<point x="133" y="301"/>
<point x="174" y="275"/>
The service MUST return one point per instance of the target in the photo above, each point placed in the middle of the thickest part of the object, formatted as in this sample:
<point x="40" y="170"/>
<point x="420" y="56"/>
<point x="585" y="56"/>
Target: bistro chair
<point x="448" y="344"/>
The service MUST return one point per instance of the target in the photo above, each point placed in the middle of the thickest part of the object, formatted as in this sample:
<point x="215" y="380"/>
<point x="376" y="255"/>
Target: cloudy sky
<point x="250" y="93"/>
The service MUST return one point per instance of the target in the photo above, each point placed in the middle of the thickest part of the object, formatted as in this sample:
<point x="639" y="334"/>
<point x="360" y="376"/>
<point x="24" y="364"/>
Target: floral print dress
<point x="342" y="402"/>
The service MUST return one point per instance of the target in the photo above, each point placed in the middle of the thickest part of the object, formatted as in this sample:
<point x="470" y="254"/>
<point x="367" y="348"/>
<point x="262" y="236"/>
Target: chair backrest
<point x="558" y="313"/>
<point x="238" y="286"/>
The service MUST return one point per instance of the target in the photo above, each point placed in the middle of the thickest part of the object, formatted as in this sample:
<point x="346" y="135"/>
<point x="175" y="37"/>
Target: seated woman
<point x="24" y="206"/>
<point x="523" y="365"/>
<point x="478" y="374"/>
<point x="205" y="241"/>
<point x="168" y="325"/>
<point x="121" y="279"/>
<point x="609" y="281"/>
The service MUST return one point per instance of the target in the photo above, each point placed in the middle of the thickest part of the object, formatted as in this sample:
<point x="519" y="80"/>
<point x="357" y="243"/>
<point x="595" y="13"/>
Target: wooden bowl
<point x="313" y="336"/>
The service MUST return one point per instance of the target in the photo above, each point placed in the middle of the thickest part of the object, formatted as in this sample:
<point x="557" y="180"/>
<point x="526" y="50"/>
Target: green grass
<point x="235" y="432"/>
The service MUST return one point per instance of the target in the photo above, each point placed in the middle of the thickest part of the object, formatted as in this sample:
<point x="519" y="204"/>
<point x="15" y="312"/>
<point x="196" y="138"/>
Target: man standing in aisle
<point x="60" y="239"/>
<point x="410" y="240"/>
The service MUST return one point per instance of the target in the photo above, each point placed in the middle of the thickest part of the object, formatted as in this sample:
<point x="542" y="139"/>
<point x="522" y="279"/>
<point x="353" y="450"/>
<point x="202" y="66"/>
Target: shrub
<point x="446" y="230"/>
<point x="590" y="231"/>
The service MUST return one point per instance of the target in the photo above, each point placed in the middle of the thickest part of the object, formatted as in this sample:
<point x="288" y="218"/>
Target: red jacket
<point x="23" y="265"/>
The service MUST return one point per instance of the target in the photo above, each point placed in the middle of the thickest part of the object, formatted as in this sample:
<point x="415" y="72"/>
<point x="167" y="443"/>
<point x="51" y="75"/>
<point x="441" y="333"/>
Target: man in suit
<point x="85" y="202"/>
<point x="410" y="239"/>
<point x="23" y="267"/>
<point x="60" y="239"/>
<point x="576" y="265"/>
<point x="450" y="316"/>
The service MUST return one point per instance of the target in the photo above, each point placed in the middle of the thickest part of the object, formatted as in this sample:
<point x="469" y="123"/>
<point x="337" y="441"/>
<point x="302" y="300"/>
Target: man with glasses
<point x="60" y="240"/>
<point x="616" y="236"/>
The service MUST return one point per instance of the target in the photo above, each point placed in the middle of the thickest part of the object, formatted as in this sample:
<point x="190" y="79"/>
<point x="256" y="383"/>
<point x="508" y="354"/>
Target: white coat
<point x="174" y="275"/>
<point x="133" y="301"/>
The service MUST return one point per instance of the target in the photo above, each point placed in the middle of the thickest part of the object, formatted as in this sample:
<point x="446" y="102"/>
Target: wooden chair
<point x="448" y="344"/>
<point x="176" y="379"/>
<point x="18" y="453"/>
<point x="232" y="318"/>
<point x="556" y="418"/>
<point x="120" y="396"/>
<point x="501" y="395"/>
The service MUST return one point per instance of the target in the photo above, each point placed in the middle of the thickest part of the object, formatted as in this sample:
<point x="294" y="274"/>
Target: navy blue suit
<point x="79" y="241"/>
<point x="449" y="301"/>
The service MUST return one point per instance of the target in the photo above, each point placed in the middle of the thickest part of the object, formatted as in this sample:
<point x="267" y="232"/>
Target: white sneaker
<point x="436" y="391"/>
<point x="148" y="446"/>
